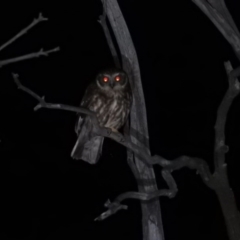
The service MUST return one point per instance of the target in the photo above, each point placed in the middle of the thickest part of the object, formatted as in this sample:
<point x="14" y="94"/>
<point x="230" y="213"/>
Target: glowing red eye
<point x="117" y="78"/>
<point x="105" y="79"/>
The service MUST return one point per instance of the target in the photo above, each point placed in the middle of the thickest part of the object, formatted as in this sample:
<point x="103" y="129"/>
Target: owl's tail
<point x="89" y="151"/>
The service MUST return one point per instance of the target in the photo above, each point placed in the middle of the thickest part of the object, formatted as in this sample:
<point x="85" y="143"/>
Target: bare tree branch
<point x="222" y="8"/>
<point x="116" y="204"/>
<point x="28" y="56"/>
<point x="217" y="12"/>
<point x="222" y="187"/>
<point x="232" y="92"/>
<point x="44" y="104"/>
<point x="185" y="161"/>
<point x="24" y="31"/>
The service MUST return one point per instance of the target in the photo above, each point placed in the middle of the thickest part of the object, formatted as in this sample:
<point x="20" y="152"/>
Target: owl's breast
<point x="113" y="112"/>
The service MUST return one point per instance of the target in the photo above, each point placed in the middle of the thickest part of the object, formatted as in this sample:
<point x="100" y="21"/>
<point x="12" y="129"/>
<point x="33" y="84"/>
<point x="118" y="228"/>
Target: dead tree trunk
<point x="218" y="13"/>
<point x="151" y="212"/>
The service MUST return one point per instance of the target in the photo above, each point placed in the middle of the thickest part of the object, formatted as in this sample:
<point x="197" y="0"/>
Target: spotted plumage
<point x="110" y="96"/>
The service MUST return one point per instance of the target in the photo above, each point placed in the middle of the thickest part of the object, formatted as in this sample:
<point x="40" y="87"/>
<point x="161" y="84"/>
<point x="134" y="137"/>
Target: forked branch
<point x="30" y="55"/>
<point x="24" y="31"/>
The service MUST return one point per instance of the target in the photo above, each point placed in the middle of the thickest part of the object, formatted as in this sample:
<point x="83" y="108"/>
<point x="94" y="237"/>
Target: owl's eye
<point x="117" y="78"/>
<point x="105" y="79"/>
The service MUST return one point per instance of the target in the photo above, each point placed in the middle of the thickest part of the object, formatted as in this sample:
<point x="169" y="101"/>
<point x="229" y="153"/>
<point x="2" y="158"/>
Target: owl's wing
<point x="88" y="146"/>
<point x="88" y="95"/>
<point x="86" y="100"/>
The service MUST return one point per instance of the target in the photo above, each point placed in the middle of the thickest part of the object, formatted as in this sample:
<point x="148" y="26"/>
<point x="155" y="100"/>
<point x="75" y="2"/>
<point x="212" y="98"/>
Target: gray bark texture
<point x="219" y="15"/>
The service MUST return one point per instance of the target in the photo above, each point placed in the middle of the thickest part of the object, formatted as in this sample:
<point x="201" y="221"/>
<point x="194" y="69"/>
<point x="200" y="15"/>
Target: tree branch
<point x="218" y="13"/>
<point x="233" y="90"/>
<point x="224" y="10"/>
<point x="24" y="31"/>
<point x="116" y="205"/>
<point x="43" y="104"/>
<point x="28" y="56"/>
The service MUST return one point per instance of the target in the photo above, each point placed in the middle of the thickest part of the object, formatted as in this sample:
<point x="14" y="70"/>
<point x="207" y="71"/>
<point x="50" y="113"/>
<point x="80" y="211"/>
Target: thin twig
<point x="44" y="104"/>
<point x="28" y="56"/>
<point x="24" y="31"/>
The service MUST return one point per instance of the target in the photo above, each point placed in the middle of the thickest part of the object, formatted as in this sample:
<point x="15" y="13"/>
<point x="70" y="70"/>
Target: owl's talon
<point x="109" y="131"/>
<point x="120" y="137"/>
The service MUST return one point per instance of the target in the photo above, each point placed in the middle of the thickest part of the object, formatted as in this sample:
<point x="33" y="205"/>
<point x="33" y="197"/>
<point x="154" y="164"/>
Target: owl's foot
<point x="119" y="135"/>
<point x="108" y="131"/>
<point x="114" y="130"/>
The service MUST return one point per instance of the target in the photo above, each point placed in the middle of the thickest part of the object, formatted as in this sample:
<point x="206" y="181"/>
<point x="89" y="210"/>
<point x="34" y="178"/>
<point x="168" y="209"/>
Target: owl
<point x="110" y="97"/>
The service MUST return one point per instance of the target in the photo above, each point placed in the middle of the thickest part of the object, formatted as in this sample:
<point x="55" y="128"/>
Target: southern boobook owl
<point x="110" y="96"/>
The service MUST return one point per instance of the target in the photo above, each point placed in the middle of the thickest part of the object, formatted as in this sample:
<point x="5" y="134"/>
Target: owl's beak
<point x="112" y="84"/>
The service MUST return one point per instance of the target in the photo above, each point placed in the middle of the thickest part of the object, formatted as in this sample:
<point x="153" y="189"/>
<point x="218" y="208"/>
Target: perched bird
<point x="110" y="96"/>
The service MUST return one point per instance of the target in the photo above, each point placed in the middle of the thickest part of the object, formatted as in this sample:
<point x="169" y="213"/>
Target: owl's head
<point x="112" y="79"/>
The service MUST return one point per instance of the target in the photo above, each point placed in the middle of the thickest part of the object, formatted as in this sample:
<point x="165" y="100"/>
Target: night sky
<point x="46" y="194"/>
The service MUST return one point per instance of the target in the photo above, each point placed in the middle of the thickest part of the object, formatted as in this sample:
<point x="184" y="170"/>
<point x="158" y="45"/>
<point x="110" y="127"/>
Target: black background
<point x="47" y="195"/>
